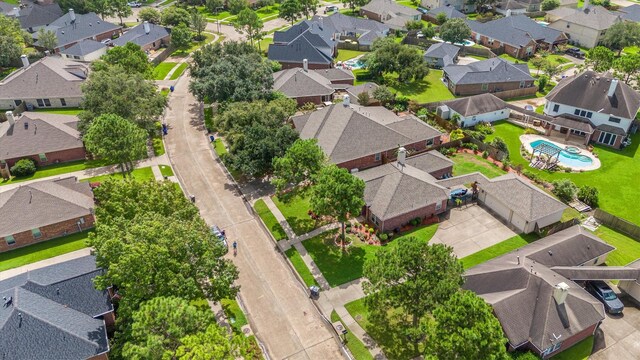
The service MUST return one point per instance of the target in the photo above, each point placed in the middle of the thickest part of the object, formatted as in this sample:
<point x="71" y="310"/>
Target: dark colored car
<point x="575" y="52"/>
<point x="601" y="291"/>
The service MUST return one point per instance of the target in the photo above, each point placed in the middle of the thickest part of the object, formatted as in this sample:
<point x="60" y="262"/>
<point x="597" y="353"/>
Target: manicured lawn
<point x="269" y="220"/>
<point x="162" y="69"/>
<point x="296" y="209"/>
<point x="430" y="89"/>
<point x="178" y="72"/>
<point x="166" y="170"/>
<point x="234" y="313"/>
<point x="63" y="111"/>
<point x="264" y="44"/>
<point x="356" y="347"/>
<point x="142" y="174"/>
<point x="348" y="54"/>
<point x="553" y="59"/>
<point x="627" y="249"/>
<point x="340" y="267"/>
<point x="465" y="163"/>
<point x="44" y="250"/>
<point x="498" y="249"/>
<point x="579" y="351"/>
<point x="58" y="169"/>
<point x="301" y="267"/>
<point x="195" y="45"/>
<point x="620" y="169"/>
<point x="631" y="50"/>
<point x="158" y="146"/>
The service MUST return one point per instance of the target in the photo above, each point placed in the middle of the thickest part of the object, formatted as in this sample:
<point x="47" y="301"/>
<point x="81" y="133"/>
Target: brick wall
<point x="370" y="15"/>
<point x="307" y="99"/>
<point x="109" y="319"/>
<point x="291" y="65"/>
<point x="54" y="157"/>
<point x="517" y="52"/>
<point x="345" y="82"/>
<point x="100" y="357"/>
<point x="48" y="232"/>
<point x="596" y="136"/>
<point x="386" y="156"/>
<point x="567" y="343"/>
<point x="157" y="44"/>
<point x="425" y="212"/>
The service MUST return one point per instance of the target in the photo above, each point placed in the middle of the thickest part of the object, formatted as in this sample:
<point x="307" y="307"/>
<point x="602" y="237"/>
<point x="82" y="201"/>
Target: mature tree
<point x="482" y="5"/>
<point x="79" y="6"/>
<point x="290" y="10"/>
<point x="352" y="4"/>
<point x="214" y="5"/>
<point x="309" y="7"/>
<point x="150" y="14"/>
<point x="628" y="66"/>
<point x="11" y="40"/>
<point x="621" y="35"/>
<point x="429" y="31"/>
<point x="173" y="16"/>
<point x="300" y="163"/>
<point x="565" y="189"/>
<point x="501" y="145"/>
<point x="130" y="57"/>
<point x="230" y="72"/>
<point x="388" y="56"/>
<point x="548" y="5"/>
<point x="551" y="69"/>
<point x="247" y="22"/>
<point x="464" y="327"/>
<point x="100" y="7"/>
<point x="235" y="6"/>
<point x="181" y="37"/>
<point x="455" y="31"/>
<point x="47" y="39"/>
<point x="414" y="25"/>
<point x="121" y="9"/>
<point x="383" y="94"/>
<point x="116" y="140"/>
<point x="198" y="24"/>
<point x="214" y="343"/>
<point x="338" y="194"/>
<point x="412" y="279"/>
<point x="588" y="195"/>
<point x="538" y="62"/>
<point x="543" y="80"/>
<point x="364" y="99"/>
<point x="600" y="58"/>
<point x="116" y="91"/>
<point x="236" y="117"/>
<point x="441" y="18"/>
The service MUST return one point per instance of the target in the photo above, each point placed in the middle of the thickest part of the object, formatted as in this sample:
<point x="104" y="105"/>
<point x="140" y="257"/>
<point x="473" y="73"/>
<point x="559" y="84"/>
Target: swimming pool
<point x="355" y="64"/>
<point x="466" y="42"/>
<point x="566" y="158"/>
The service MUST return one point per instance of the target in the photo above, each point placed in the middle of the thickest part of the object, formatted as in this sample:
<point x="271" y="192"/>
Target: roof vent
<point x="25" y="60"/>
<point x="560" y="293"/>
<point x="72" y="15"/>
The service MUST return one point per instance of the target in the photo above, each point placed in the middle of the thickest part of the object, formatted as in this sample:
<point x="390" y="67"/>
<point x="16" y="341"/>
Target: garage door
<point x="497" y="207"/>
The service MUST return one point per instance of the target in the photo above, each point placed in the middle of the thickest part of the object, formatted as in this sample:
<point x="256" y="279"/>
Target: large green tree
<point x="100" y="7"/>
<point x="214" y="6"/>
<point x="121" y="9"/>
<point x="47" y="39"/>
<point x="622" y="34"/>
<point x="181" y="37"/>
<point x="600" y="58"/>
<point x="247" y="22"/>
<point x="338" y="194"/>
<point x="464" y="327"/>
<point x="300" y="163"/>
<point x="387" y="56"/>
<point x="130" y="57"/>
<point x="173" y="16"/>
<point x="455" y="31"/>
<point x="235" y="117"/>
<point x="150" y="14"/>
<point x="117" y="140"/>
<point x="352" y="4"/>
<point x="235" y="6"/>
<point x="198" y="24"/>
<point x="215" y="343"/>
<point x="309" y="7"/>
<point x="290" y="10"/>
<point x="627" y="66"/>
<point x="11" y="40"/>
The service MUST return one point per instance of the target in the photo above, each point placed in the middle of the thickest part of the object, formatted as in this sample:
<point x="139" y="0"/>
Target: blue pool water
<point x="355" y="64"/>
<point x="566" y="158"/>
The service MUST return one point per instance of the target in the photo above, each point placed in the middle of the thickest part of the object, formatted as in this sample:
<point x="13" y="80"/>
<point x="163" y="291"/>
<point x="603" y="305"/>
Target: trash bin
<point x="165" y="129"/>
<point x="314" y="292"/>
<point x="171" y="88"/>
<point x="212" y="138"/>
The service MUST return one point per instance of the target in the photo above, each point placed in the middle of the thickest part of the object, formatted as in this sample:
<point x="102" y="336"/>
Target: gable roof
<point x="445" y="51"/>
<point x="54" y="312"/>
<point x="516" y="30"/>
<point x="366" y="30"/>
<point x="631" y="13"/>
<point x="83" y="47"/>
<point x="34" y="15"/>
<point x="594" y="17"/>
<point x="356" y="90"/>
<point x="43" y="203"/>
<point x="85" y="26"/>
<point x="296" y="83"/>
<point x="389" y="7"/>
<point x="476" y="104"/>
<point x="429" y="162"/>
<point x="138" y="36"/>
<point x="307" y="45"/>
<point x="589" y="89"/>
<point x="347" y="132"/>
<point x="496" y="70"/>
<point x="45" y="133"/>
<point x="50" y="77"/>
<point x="450" y="11"/>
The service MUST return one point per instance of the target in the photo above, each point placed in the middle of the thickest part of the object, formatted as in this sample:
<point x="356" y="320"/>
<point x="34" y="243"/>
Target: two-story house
<point x="585" y="26"/>
<point x="390" y="13"/>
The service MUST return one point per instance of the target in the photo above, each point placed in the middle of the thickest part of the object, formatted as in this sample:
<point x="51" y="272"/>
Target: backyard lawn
<point x="58" y="169"/>
<point x="161" y="70"/>
<point x="195" y="45"/>
<point x="44" y="250"/>
<point x="141" y="174"/>
<point x="496" y="250"/>
<point x="348" y="54"/>
<point x="300" y="266"/>
<point x="430" y="89"/>
<point x="340" y="267"/>
<point x="620" y="169"/>
<point x="296" y="209"/>
<point x="465" y="163"/>
<point x="355" y="346"/>
<point x="269" y="220"/>
<point x="627" y="249"/>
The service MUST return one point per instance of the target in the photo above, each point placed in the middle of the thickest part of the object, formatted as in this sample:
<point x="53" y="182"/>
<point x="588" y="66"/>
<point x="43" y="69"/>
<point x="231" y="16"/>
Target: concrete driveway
<point x="469" y="229"/>
<point x="619" y="336"/>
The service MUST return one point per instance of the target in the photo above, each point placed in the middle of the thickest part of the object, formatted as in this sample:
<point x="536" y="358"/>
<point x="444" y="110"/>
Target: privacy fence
<point x="618" y="224"/>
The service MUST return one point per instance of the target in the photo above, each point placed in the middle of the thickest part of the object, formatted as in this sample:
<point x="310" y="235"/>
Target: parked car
<point x="422" y="10"/>
<point x="215" y="230"/>
<point x="575" y="52"/>
<point x="601" y="291"/>
<point x="330" y="9"/>
<point x="134" y="4"/>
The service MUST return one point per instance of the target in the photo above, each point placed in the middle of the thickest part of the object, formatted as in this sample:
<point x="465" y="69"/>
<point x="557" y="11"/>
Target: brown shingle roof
<point x="477" y="104"/>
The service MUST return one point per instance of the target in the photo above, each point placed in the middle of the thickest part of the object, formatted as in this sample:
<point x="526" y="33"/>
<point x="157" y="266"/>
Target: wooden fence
<point x="478" y="51"/>
<point x="618" y="224"/>
<point x="552" y="229"/>
<point x="516" y="93"/>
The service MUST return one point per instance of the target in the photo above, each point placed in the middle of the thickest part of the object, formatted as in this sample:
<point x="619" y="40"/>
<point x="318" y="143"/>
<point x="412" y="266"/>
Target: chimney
<point x="402" y="155"/>
<point x="25" y="60"/>
<point x="560" y="293"/>
<point x="72" y="15"/>
<point x="612" y="87"/>
<point x="10" y="117"/>
<point x="147" y="28"/>
<point x="305" y="65"/>
<point x="508" y="12"/>
<point x="346" y="101"/>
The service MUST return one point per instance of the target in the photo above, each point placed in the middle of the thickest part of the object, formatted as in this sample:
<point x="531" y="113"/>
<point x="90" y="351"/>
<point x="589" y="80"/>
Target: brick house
<point x="311" y="86"/>
<point x="44" y="210"/>
<point x="45" y="138"/>
<point x="147" y="36"/>
<point x="390" y="13"/>
<point x="489" y="76"/>
<point x="306" y="40"/>
<point x="358" y="137"/>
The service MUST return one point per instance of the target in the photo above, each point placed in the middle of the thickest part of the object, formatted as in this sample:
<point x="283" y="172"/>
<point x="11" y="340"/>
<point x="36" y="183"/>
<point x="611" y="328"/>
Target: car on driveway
<point x="220" y="235"/>
<point x="134" y="4"/>
<point x="601" y="291"/>
<point x="422" y="10"/>
<point x="575" y="52"/>
<point x="331" y="8"/>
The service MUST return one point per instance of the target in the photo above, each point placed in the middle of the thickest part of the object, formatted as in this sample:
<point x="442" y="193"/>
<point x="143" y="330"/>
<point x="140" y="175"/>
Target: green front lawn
<point x="161" y="70"/>
<point x="340" y="267"/>
<point x="579" y="351"/>
<point x="234" y="313"/>
<point x="178" y="72"/>
<point x="496" y="250"/>
<point x="356" y="347"/>
<point x="465" y="163"/>
<point x="620" y="169"/>
<point x="295" y="211"/>
<point x="553" y="59"/>
<point x="627" y="249"/>
<point x="158" y="146"/>
<point x="430" y="89"/>
<point x="344" y="55"/>
<point x="269" y="220"/>
<point x="166" y="170"/>
<point x="44" y="250"/>
<point x="142" y="174"/>
<point x="60" y="111"/>
<point x="58" y="169"/>
<point x="195" y="45"/>
<point x="301" y="267"/>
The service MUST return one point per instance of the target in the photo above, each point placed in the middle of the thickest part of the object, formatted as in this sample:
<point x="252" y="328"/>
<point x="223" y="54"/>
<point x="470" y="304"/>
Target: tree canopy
<point x="248" y="23"/>
<point x="301" y="162"/>
<point x="181" y="37"/>
<point x="290" y="10"/>
<point x="600" y="58"/>
<point x="235" y="6"/>
<point x="130" y="57"/>
<point x="174" y="16"/>
<point x="150" y="14"/>
<point x="622" y="34"/>
<point x="627" y="67"/>
<point x="11" y="40"/>
<point x="198" y="24"/>
<point x="548" y="5"/>
<point x="455" y="31"/>
<point x="387" y="56"/>
<point x="47" y="39"/>
<point x="352" y="4"/>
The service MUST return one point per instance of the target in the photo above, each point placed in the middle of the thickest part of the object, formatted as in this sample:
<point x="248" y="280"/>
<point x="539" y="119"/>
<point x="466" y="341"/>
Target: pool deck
<point x="527" y="139"/>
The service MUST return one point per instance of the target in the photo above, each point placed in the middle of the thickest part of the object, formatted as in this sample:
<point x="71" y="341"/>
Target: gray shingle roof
<point x="336" y="74"/>
<point x="477" y="104"/>
<point x="429" y="162"/>
<point x="306" y="46"/>
<point x="389" y="7"/>
<point x="517" y="30"/>
<point x="43" y="203"/>
<point x="598" y="272"/>
<point x="450" y="11"/>
<point x="59" y="313"/>
<point x="85" y="26"/>
<point x="50" y="77"/>
<point x="356" y="90"/>
<point x="631" y="13"/>
<point x="296" y="83"/>
<point x="570" y="122"/>
<point x="364" y="29"/>
<point x="46" y="133"/>
<point x="35" y="15"/>
<point x="84" y="47"/>
<point x="445" y="51"/>
<point x="494" y="70"/>
<point x="596" y="17"/>
<point x="588" y="90"/>
<point x="138" y="36"/>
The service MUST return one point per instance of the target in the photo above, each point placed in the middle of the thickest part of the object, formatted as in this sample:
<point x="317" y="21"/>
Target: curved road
<point x="279" y="310"/>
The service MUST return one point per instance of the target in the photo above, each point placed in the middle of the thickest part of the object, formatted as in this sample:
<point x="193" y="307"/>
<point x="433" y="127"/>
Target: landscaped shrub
<point x="307" y="107"/>
<point x="446" y="151"/>
<point x="456" y="134"/>
<point x="422" y="113"/>
<point x="476" y="135"/>
<point x="372" y="230"/>
<point x="484" y="128"/>
<point x="588" y="195"/>
<point x="470" y="146"/>
<point x="505" y="165"/>
<point x="499" y="144"/>
<point x="485" y="154"/>
<point x="531" y="131"/>
<point x="564" y="189"/>
<point x="383" y="237"/>
<point x="23" y="167"/>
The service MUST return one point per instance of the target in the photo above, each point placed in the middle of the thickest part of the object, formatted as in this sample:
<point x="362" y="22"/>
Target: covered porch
<point x="570" y="129"/>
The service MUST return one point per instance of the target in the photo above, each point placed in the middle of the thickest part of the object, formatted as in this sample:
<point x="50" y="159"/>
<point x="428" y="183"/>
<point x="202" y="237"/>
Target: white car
<point x="134" y="4"/>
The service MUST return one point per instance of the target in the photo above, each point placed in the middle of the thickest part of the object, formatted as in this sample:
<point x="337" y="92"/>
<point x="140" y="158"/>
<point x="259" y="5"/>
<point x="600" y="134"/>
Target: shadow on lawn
<point x="390" y="335"/>
<point x="630" y="151"/>
<point x="413" y="88"/>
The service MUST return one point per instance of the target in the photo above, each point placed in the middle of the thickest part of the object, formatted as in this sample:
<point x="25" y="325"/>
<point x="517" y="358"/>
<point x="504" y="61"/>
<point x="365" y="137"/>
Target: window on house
<point x="40" y="102"/>
<point x="589" y="114"/>
<point x="568" y="26"/>
<point x="485" y="86"/>
<point x="607" y="138"/>
<point x="553" y="348"/>
<point x="43" y="157"/>
<point x="429" y="142"/>
<point x="583" y="113"/>
<point x="576" y="112"/>
<point x="522" y="83"/>
<point x="17" y="102"/>
<point x="375" y="220"/>
<point x="47" y="102"/>
<point x="36" y="233"/>
<point x="556" y="107"/>
<point x="9" y="239"/>
<point x="378" y="156"/>
<point x="614" y="119"/>
<point x="63" y="102"/>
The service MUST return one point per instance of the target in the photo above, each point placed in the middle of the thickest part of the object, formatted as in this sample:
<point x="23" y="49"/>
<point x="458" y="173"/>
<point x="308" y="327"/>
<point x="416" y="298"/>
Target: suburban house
<point x="450" y="11"/>
<point x="55" y="312"/>
<point x="513" y="7"/>
<point x="343" y="27"/>
<point x="50" y="82"/>
<point x="390" y="13"/>
<point x="533" y="293"/>
<point x="45" y="138"/>
<point x="585" y="26"/>
<point x="369" y="88"/>
<point x="359" y="137"/>
<point x="44" y="210"/>
<point x="593" y="106"/>
<point x="311" y="86"/>
<point x="630" y="13"/>
<point x="86" y="50"/>
<point x="489" y="76"/>
<point x="71" y="28"/>
<point x="483" y="108"/>
<point x="518" y="36"/>
<point x="435" y="6"/>
<point x="33" y="16"/>
<point x="398" y="192"/>
<point x="148" y="36"/>
<point x="305" y="40"/>
<point x="441" y="54"/>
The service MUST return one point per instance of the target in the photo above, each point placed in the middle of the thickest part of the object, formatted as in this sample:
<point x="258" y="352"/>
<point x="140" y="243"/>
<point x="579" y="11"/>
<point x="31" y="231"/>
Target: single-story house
<point x="608" y="106"/>
<point x="33" y="16"/>
<point x="450" y="11"/>
<point x="148" y="36"/>
<point x="363" y="31"/>
<point x="441" y="54"/>
<point x="435" y="5"/>
<point x="511" y="7"/>
<point x="369" y="88"/>
<point x="474" y="109"/>
<point x="45" y="138"/>
<point x="390" y="13"/>
<point x="55" y="312"/>
<point x="71" y="28"/>
<point x="489" y="76"/>
<point x="540" y="309"/>
<point x="44" y="210"/>
<point x="311" y="86"/>
<point x="359" y="137"/>
<point x="50" y="82"/>
<point x="585" y="26"/>
<point x="305" y="40"/>
<point x="86" y="50"/>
